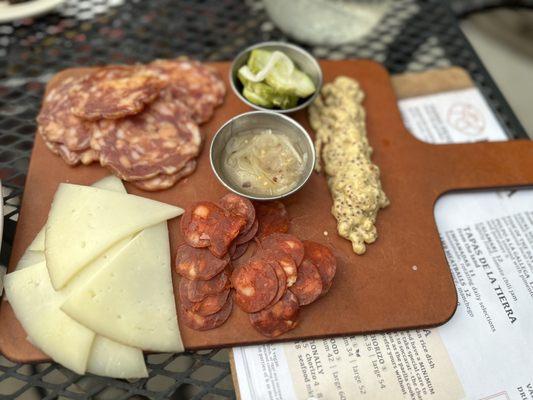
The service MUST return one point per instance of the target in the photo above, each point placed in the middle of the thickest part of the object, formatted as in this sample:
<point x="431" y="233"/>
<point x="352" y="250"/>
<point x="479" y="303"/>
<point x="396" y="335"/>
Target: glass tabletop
<point x="413" y="36"/>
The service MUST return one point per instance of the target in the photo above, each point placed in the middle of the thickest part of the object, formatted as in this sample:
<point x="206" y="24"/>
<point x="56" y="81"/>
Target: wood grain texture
<point x="379" y="291"/>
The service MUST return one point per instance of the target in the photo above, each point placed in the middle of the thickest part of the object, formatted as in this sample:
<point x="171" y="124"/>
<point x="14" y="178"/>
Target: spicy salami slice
<point x="198" y="290"/>
<point x="207" y="306"/>
<point x="163" y="181"/>
<point x="239" y="251"/>
<point x="202" y="323"/>
<point x="308" y="287"/>
<point x="282" y="281"/>
<point x="285" y="261"/>
<point x="239" y="205"/>
<point x="290" y="244"/>
<point x="198" y="222"/>
<point x="160" y="140"/>
<point x="115" y="92"/>
<point x="223" y="234"/>
<point x="273" y="218"/>
<point x="246" y="236"/>
<point x="196" y="84"/>
<point x="194" y="263"/>
<point x="277" y="319"/>
<point x="325" y="261"/>
<point x="256" y="284"/>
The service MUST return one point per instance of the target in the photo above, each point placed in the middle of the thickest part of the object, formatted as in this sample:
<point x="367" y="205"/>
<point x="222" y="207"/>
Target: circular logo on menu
<point x="466" y="118"/>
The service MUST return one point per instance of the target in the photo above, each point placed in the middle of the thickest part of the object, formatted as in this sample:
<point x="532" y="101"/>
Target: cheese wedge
<point x="131" y="299"/>
<point x="84" y="221"/>
<point x="36" y="306"/>
<point x="35" y="250"/>
<point x="115" y="360"/>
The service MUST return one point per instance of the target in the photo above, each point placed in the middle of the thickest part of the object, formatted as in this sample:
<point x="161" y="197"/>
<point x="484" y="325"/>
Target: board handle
<point x="484" y="165"/>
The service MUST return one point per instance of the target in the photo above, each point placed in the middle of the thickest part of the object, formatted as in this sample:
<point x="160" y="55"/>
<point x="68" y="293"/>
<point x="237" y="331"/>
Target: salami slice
<point x="285" y="261"/>
<point x="160" y="140"/>
<point x="239" y="251"/>
<point x="71" y="157"/>
<point x="207" y="306"/>
<point x="324" y="260"/>
<point x="223" y="234"/>
<point x="196" y="84"/>
<point x="273" y="218"/>
<point x="278" y="319"/>
<point x="308" y="287"/>
<point x="198" y="264"/>
<point x="162" y="181"/>
<point x="241" y="206"/>
<point x="202" y="323"/>
<point x="246" y="236"/>
<point x="115" y="92"/>
<point x="256" y="284"/>
<point x="290" y="244"/>
<point x="282" y="281"/>
<point x="198" y="290"/>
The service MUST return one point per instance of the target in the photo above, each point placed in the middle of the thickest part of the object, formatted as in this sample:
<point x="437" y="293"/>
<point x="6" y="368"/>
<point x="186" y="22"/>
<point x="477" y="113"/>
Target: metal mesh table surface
<point x="414" y="35"/>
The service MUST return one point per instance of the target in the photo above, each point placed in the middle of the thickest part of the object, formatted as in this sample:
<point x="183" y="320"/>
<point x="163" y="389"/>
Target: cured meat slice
<point x="273" y="218"/>
<point x="209" y="305"/>
<point x="282" y="281"/>
<point x="324" y="260"/>
<point x="198" y="290"/>
<point x="239" y="251"/>
<point x="64" y="133"/>
<point x="285" y="261"/>
<point x="116" y="92"/>
<point x="202" y="323"/>
<point x="246" y="236"/>
<point x="278" y="319"/>
<point x="160" y="140"/>
<point x="196" y="84"/>
<point x="308" y="287"/>
<point x="290" y="244"/>
<point x="162" y="181"/>
<point x="241" y="206"/>
<point x="207" y="225"/>
<point x="256" y="284"/>
<point x="198" y="264"/>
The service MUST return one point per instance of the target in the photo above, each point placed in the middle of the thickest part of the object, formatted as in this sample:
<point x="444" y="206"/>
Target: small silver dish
<point x="254" y="120"/>
<point x="302" y="59"/>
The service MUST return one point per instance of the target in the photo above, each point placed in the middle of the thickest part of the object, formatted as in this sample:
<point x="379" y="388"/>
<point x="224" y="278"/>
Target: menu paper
<point x="483" y="352"/>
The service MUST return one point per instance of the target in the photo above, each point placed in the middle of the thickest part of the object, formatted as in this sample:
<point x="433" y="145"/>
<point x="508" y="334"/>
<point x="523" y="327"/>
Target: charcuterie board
<point x="403" y="281"/>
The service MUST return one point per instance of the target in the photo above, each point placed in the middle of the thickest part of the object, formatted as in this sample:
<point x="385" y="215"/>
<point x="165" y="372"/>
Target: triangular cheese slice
<point x="38" y="242"/>
<point x="36" y="306"/>
<point x="115" y="360"/>
<point x="131" y="299"/>
<point x="84" y="221"/>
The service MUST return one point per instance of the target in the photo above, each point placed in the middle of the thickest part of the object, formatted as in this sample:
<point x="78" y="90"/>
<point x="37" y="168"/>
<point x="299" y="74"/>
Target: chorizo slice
<point x="308" y="287"/>
<point x="224" y="232"/>
<point x="202" y="323"/>
<point x="325" y="261"/>
<point x="197" y="223"/>
<point x="246" y="236"/>
<point x="198" y="264"/>
<point x="279" y="318"/>
<point x="256" y="284"/>
<point x="116" y="91"/>
<point x="198" y="290"/>
<point x="241" y="206"/>
<point x="272" y="216"/>
<point x="272" y="258"/>
<point x="239" y="251"/>
<point x="209" y="305"/>
<point x="290" y="244"/>
<point x="286" y="262"/>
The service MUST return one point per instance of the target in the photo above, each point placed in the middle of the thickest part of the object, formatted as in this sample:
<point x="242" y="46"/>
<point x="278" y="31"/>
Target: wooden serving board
<point x="378" y="291"/>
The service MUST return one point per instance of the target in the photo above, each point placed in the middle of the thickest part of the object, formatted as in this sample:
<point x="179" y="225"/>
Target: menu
<point x="484" y="352"/>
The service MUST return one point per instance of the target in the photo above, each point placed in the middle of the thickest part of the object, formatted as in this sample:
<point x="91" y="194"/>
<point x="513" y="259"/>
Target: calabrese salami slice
<point x="308" y="287"/>
<point x="272" y="216"/>
<point x="277" y="319"/>
<point x="194" y="263"/>
<point x="256" y="284"/>
<point x="325" y="261"/>
<point x="202" y="323"/>
<point x="290" y="244"/>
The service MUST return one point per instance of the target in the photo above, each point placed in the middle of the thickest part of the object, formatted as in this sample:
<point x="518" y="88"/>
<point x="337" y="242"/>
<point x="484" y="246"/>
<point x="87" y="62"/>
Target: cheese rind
<point x="85" y="221"/>
<point x="36" y="305"/>
<point x="115" y="360"/>
<point x="131" y="299"/>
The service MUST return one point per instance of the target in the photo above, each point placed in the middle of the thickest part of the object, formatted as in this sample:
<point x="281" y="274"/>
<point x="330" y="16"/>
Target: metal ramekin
<point x="261" y="120"/>
<point x="302" y="59"/>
